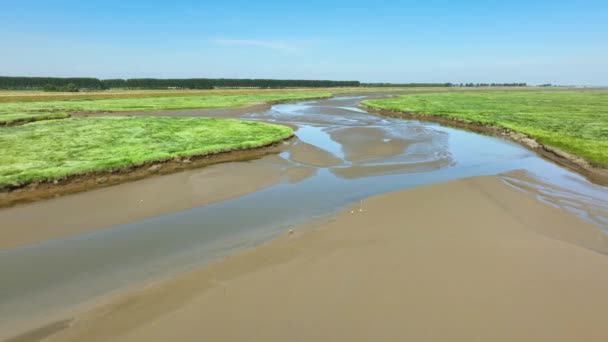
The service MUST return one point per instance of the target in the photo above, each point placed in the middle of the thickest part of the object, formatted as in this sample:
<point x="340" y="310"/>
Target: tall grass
<point x="49" y="150"/>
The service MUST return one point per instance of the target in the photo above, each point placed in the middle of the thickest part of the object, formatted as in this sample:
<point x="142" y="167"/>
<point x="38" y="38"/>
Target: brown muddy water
<point x="60" y="253"/>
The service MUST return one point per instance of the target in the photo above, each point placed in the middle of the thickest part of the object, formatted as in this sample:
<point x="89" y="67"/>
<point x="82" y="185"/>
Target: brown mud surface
<point x="112" y="199"/>
<point x="308" y="154"/>
<point x="590" y="208"/>
<point x="364" y="143"/>
<point x="595" y="174"/>
<point x="357" y="171"/>
<point x="373" y="151"/>
<point x="91" y="210"/>
<point x="495" y="265"/>
<point x="41" y="333"/>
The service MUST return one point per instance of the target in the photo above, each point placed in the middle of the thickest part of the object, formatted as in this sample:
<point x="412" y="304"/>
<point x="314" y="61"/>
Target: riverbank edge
<point x="35" y="191"/>
<point x="577" y="164"/>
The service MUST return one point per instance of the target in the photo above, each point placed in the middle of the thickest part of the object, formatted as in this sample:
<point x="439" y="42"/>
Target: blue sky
<point x="562" y="42"/>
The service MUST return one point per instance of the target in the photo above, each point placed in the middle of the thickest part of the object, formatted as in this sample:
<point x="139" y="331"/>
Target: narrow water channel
<point x="345" y="155"/>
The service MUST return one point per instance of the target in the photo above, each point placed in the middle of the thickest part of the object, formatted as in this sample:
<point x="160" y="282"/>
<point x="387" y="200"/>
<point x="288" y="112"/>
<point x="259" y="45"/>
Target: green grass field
<point x="41" y="110"/>
<point x="575" y="121"/>
<point x="47" y="150"/>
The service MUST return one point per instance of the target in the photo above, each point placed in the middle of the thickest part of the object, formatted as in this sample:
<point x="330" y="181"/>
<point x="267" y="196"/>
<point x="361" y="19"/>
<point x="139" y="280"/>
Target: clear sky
<point x="542" y="41"/>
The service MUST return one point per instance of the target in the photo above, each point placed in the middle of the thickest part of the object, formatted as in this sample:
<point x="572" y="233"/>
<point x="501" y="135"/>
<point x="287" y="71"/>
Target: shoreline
<point x="36" y="191"/>
<point x="577" y="164"/>
<point x="497" y="263"/>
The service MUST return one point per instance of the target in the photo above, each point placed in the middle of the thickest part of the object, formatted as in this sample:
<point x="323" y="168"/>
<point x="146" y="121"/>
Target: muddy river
<point x="86" y="245"/>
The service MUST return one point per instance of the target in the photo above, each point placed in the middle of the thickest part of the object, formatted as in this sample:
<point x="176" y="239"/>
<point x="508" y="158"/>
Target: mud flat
<point x="141" y="199"/>
<point x="495" y="265"/>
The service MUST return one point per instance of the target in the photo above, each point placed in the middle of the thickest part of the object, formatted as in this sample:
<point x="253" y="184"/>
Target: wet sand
<point x="61" y="217"/>
<point x="138" y="200"/>
<point x="365" y="143"/>
<point x="467" y="260"/>
<point x="311" y="155"/>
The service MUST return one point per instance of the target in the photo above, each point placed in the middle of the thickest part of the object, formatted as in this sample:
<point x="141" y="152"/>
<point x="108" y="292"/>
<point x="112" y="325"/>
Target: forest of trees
<point x="82" y="83"/>
<point x="62" y="84"/>
<point x="24" y="83"/>
<point x="209" y="83"/>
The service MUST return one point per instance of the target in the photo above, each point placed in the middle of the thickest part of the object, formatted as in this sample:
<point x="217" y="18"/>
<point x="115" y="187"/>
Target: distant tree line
<point x="50" y="83"/>
<point x="63" y="84"/>
<point x="70" y="87"/>
<point x="83" y="83"/>
<point x="209" y="83"/>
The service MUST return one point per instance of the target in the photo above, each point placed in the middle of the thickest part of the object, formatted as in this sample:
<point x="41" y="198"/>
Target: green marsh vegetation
<point x="47" y="150"/>
<point x="16" y="111"/>
<point x="25" y="106"/>
<point x="575" y="121"/>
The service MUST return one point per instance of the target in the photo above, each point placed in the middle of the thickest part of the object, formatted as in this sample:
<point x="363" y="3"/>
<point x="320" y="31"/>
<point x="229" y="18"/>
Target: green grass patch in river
<point x="47" y="150"/>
